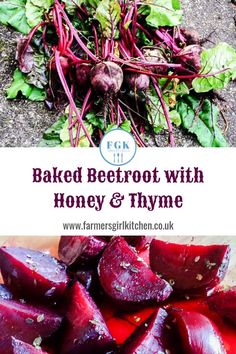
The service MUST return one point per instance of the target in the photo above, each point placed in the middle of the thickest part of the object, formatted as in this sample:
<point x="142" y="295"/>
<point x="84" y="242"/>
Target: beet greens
<point x="117" y="63"/>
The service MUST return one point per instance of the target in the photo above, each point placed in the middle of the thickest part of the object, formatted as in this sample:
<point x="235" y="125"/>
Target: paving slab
<point x="22" y="122"/>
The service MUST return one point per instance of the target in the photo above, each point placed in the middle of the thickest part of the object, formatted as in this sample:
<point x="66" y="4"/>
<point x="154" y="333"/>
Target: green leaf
<point x="111" y="127"/>
<point x="108" y="14"/>
<point x="95" y="120"/>
<point x="219" y="58"/>
<point x="162" y="12"/>
<point x="37" y="75"/>
<point x="51" y="137"/>
<point x="201" y="118"/>
<point x="72" y="5"/>
<point x="12" y="12"/>
<point x="126" y="125"/>
<point x="35" y="9"/>
<point x="19" y="85"/>
<point x="156" y="115"/>
<point x="83" y="141"/>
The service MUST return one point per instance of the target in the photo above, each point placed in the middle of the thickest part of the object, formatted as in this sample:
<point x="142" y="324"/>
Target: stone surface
<point x="22" y="123"/>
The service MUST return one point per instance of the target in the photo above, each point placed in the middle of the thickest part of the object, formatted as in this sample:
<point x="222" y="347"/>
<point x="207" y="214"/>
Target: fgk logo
<point x="118" y="147"/>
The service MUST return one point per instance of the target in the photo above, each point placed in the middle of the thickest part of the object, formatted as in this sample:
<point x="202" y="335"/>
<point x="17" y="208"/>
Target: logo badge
<point x="118" y="147"/>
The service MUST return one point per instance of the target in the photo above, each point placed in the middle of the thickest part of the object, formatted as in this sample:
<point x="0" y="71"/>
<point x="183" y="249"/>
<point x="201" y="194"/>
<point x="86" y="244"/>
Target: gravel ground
<point x="22" y="122"/>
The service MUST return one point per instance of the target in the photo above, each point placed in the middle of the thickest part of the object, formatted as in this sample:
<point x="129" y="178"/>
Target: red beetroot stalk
<point x="133" y="128"/>
<point x="193" y="76"/>
<point x="96" y="40"/>
<point x="69" y="96"/>
<point x="85" y="102"/>
<point x="164" y="36"/>
<point x="80" y="42"/>
<point x="165" y="111"/>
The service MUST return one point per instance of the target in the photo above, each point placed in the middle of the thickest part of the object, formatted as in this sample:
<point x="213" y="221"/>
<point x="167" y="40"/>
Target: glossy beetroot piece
<point x="224" y="303"/>
<point x="80" y="249"/>
<point x="126" y="278"/>
<point x="20" y="347"/>
<point x="5" y="293"/>
<point x="139" y="242"/>
<point x="32" y="274"/>
<point x="189" y="268"/>
<point x="86" y="331"/>
<point x="150" y="338"/>
<point x="198" y="334"/>
<point x="25" y="322"/>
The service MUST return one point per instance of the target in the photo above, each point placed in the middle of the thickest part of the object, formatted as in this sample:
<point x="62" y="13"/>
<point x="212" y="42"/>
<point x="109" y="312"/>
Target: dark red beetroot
<point x="198" y="334"/>
<point x="190" y="269"/>
<point x="20" y="347"/>
<point x="80" y="249"/>
<point x="25" y="322"/>
<point x="32" y="274"/>
<point x="151" y="337"/>
<point x="83" y="75"/>
<point x="126" y="278"/>
<point x="190" y="55"/>
<point x="86" y="331"/>
<point x="5" y="293"/>
<point x="224" y="303"/>
<point x="106" y="78"/>
<point x="137" y="82"/>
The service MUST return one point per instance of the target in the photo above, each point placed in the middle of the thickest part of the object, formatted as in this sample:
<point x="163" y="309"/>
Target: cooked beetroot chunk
<point x="189" y="268"/>
<point x="20" y="347"/>
<point x="5" y="293"/>
<point x="198" y="334"/>
<point x="80" y="249"/>
<point x="25" y="322"/>
<point x="32" y="274"/>
<point x="151" y="337"/>
<point x="86" y="331"/>
<point x="126" y="278"/>
<point x="224" y="303"/>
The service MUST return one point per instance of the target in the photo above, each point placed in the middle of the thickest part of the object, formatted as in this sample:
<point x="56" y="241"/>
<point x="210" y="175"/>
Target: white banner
<point x="166" y="191"/>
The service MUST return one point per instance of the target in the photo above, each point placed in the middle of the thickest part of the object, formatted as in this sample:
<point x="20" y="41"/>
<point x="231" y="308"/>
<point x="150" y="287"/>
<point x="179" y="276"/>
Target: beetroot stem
<point x="165" y="111"/>
<point x="69" y="96"/>
<point x="80" y="42"/>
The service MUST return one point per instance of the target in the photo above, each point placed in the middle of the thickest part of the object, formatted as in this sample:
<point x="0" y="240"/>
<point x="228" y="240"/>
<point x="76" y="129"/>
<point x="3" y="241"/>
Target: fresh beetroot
<point x="20" y="347"/>
<point x="80" y="249"/>
<point x="25" y="322"/>
<point x="126" y="278"/>
<point x="86" y="331"/>
<point x="32" y="274"/>
<point x="83" y="75"/>
<point x="189" y="269"/>
<point x="151" y="337"/>
<point x="198" y="334"/>
<point x="224" y="303"/>
<point x="156" y="56"/>
<point x="190" y="55"/>
<point x="106" y="78"/>
<point x="64" y="64"/>
<point x="5" y="293"/>
<point x="137" y="82"/>
<point x="191" y="36"/>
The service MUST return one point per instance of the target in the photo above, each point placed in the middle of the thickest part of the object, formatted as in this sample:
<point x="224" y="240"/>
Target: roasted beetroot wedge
<point x="197" y="333"/>
<point x="19" y="347"/>
<point x="26" y="323"/>
<point x="139" y="242"/>
<point x="224" y="303"/>
<point x="126" y="278"/>
<point x="32" y="274"/>
<point x="152" y="337"/>
<point x="5" y="293"/>
<point x="86" y="331"/>
<point x="80" y="249"/>
<point x="190" y="269"/>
